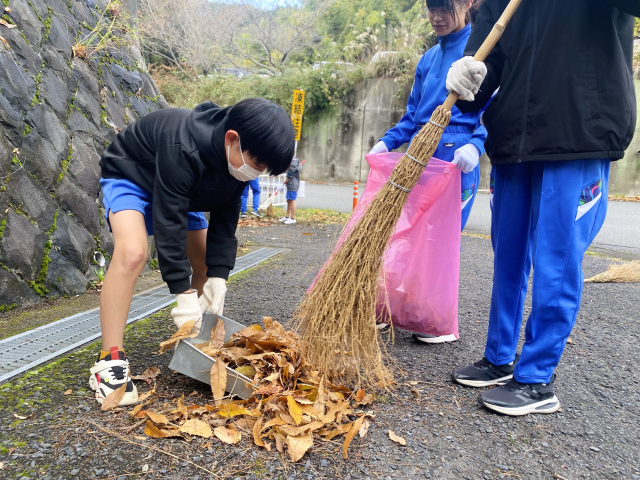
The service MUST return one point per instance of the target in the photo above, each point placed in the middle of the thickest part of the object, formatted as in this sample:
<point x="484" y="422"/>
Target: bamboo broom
<point x="337" y="319"/>
<point x="620" y="273"/>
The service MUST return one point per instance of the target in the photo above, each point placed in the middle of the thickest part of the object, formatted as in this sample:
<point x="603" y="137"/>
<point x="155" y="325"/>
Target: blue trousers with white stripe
<point x="545" y="215"/>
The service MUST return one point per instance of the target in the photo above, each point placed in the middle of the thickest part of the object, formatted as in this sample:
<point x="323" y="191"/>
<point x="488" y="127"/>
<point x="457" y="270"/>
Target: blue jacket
<point x="429" y="91"/>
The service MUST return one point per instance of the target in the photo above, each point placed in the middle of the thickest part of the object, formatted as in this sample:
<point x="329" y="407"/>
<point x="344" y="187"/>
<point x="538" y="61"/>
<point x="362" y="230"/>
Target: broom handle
<point x="487" y="45"/>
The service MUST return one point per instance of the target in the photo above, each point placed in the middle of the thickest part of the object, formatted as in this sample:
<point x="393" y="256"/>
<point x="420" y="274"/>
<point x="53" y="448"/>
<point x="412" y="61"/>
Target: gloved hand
<point x="188" y="309"/>
<point x="466" y="157"/>
<point x="379" y="147"/>
<point x="465" y="77"/>
<point x="212" y="297"/>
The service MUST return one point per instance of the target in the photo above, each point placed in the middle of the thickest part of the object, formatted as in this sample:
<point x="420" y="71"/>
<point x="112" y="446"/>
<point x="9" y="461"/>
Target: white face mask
<point x="245" y="173"/>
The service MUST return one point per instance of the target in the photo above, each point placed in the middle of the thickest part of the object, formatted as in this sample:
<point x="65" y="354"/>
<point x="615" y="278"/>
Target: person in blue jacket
<point x="462" y="142"/>
<point x="255" y="188"/>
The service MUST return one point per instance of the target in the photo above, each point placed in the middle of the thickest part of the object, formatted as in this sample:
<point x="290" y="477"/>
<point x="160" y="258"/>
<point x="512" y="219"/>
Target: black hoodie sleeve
<point x="222" y="244"/>
<point x="170" y="213"/>
<point x="632" y="7"/>
<point x="488" y="15"/>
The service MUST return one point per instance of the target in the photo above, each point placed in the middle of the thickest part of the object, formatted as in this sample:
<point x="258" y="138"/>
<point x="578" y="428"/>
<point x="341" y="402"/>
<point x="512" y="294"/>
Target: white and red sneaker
<point x="108" y="375"/>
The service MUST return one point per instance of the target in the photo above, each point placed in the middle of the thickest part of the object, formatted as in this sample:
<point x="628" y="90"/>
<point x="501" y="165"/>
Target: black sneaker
<point x="485" y="373"/>
<point x="517" y="398"/>
<point x="256" y="213"/>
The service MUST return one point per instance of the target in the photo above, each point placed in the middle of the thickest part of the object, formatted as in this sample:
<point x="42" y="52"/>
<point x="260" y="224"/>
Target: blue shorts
<point x="291" y="195"/>
<point x="121" y="195"/>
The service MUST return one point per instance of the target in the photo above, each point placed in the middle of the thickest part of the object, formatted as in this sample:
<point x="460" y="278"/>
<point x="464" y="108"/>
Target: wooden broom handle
<point x="487" y="45"/>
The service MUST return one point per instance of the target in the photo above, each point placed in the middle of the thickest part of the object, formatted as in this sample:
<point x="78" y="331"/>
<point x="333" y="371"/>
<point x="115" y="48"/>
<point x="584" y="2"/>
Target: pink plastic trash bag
<point x="422" y="262"/>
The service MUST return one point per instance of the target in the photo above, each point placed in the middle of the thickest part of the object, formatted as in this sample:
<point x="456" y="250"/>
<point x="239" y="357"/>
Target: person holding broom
<point x="564" y="111"/>
<point x="158" y="176"/>
<point x="462" y="142"/>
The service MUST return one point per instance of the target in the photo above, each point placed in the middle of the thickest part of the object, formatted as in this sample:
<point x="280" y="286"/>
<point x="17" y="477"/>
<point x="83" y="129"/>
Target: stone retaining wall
<point x="57" y="115"/>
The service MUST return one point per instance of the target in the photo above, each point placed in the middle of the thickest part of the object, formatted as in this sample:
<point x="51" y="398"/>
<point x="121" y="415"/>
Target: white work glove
<point x="379" y="147"/>
<point x="465" y="77"/>
<point x="212" y="297"/>
<point x="466" y="157"/>
<point x="188" y="309"/>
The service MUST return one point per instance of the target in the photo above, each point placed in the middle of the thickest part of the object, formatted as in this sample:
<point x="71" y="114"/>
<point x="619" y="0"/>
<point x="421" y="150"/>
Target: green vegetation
<point x="38" y="284"/>
<point x="65" y="164"/>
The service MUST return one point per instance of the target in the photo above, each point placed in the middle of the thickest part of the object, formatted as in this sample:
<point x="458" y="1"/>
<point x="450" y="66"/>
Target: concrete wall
<point x="334" y="145"/>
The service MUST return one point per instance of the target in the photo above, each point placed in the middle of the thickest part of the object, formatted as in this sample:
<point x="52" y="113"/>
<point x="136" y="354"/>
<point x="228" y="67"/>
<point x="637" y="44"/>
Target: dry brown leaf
<point x="154" y="432"/>
<point x="218" y="378"/>
<point x="11" y="450"/>
<point x="6" y="44"/>
<point x="185" y="331"/>
<point x="274" y="422"/>
<point x="196" y="427"/>
<point x="298" y="446"/>
<point x="321" y="399"/>
<point x="368" y="398"/>
<point x="144" y="396"/>
<point x="7" y="24"/>
<point x="365" y="428"/>
<point x="156" y="418"/>
<point x="272" y="389"/>
<point x="352" y="433"/>
<point x="112" y="400"/>
<point x="7" y="9"/>
<point x="294" y="409"/>
<point x="279" y="438"/>
<point x="232" y="409"/>
<point x="20" y="417"/>
<point x="257" y="428"/>
<point x="217" y="335"/>
<point x="307" y="233"/>
<point x="245" y="424"/>
<point x="67" y="392"/>
<point x="397" y="438"/>
<point x="227" y="436"/>
<point x="148" y="375"/>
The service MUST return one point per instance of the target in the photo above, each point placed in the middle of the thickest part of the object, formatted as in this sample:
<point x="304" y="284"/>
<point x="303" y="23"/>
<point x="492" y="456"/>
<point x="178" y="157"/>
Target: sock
<point x="114" y="353"/>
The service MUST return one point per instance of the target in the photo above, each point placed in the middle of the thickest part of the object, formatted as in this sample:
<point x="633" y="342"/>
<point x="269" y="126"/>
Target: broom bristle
<point x="619" y="273"/>
<point x="270" y="212"/>
<point x="337" y="319"/>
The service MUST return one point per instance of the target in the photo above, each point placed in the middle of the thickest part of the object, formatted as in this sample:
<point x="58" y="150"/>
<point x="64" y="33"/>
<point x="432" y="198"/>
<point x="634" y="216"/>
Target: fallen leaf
<point x="146" y="395"/>
<point x="156" y="418"/>
<point x="183" y="332"/>
<point x="368" y="398"/>
<point x="138" y="437"/>
<point x="136" y="409"/>
<point x="6" y="24"/>
<point x="6" y="44"/>
<point x="154" y="432"/>
<point x="352" y="433"/>
<point x="272" y="389"/>
<point x="298" y="446"/>
<point x="295" y="410"/>
<point x="360" y="394"/>
<point x="1" y="465"/>
<point x="306" y="233"/>
<point x="217" y="335"/>
<point x="569" y="340"/>
<point x="232" y="409"/>
<point x="227" y="436"/>
<point x="365" y="428"/>
<point x="67" y="392"/>
<point x="148" y="375"/>
<point x="218" y="378"/>
<point x="7" y="9"/>
<point x="197" y="427"/>
<point x="274" y="422"/>
<point x="113" y="399"/>
<point x="20" y="417"/>
<point x="11" y="450"/>
<point x="279" y="438"/>
<point x="257" y="428"/>
<point x="397" y="438"/>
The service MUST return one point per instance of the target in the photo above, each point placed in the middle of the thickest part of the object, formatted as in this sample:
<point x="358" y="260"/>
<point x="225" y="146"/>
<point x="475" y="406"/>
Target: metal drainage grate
<point x="34" y="347"/>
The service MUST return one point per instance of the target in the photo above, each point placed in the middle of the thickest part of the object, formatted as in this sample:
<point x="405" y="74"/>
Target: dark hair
<point x="266" y="132"/>
<point x="452" y="5"/>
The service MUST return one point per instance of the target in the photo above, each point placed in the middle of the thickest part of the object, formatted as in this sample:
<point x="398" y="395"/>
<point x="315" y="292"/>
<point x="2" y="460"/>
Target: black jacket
<point x="565" y="78"/>
<point x="178" y="155"/>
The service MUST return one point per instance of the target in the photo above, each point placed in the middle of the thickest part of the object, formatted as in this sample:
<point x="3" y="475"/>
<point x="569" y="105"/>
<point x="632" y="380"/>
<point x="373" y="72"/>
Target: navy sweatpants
<point x="544" y="214"/>
<point x="454" y="137"/>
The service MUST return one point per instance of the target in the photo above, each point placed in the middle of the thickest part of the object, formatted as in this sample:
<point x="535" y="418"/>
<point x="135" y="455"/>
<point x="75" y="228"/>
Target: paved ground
<point x="621" y="230"/>
<point x="595" y="436"/>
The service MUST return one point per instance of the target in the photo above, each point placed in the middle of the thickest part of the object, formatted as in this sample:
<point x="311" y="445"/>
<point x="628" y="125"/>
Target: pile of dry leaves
<point x="292" y="404"/>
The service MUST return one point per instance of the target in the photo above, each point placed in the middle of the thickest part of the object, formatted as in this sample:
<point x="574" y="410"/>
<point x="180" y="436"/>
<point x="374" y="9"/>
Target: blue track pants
<point x="544" y="214"/>
<point x="255" y="188"/>
<point x="453" y="138"/>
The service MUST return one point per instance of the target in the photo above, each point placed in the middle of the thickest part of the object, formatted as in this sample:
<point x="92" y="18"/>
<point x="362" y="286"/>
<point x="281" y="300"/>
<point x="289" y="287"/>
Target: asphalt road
<point x="621" y="230"/>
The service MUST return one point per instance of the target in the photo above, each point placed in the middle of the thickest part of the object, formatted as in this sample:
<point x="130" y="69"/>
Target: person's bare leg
<point x="130" y="253"/>
<point x="292" y="203"/>
<point x="288" y="208"/>
<point x="197" y="253"/>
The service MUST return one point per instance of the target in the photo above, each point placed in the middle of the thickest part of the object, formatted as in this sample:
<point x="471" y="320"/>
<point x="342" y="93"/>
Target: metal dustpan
<point x="194" y="363"/>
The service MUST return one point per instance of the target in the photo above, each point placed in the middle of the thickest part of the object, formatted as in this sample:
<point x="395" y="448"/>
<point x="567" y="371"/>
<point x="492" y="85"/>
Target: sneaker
<point x="256" y="213"/>
<point x="485" y="373"/>
<point x="517" y="398"/>
<point x="283" y="219"/>
<point x="289" y="221"/>
<point x="108" y="375"/>
<point x="382" y="327"/>
<point x="243" y="215"/>
<point x="426" y="338"/>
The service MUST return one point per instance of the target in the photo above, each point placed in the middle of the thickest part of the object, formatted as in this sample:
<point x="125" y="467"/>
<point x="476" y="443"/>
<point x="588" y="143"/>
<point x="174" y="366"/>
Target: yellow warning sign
<point x="297" y="109"/>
